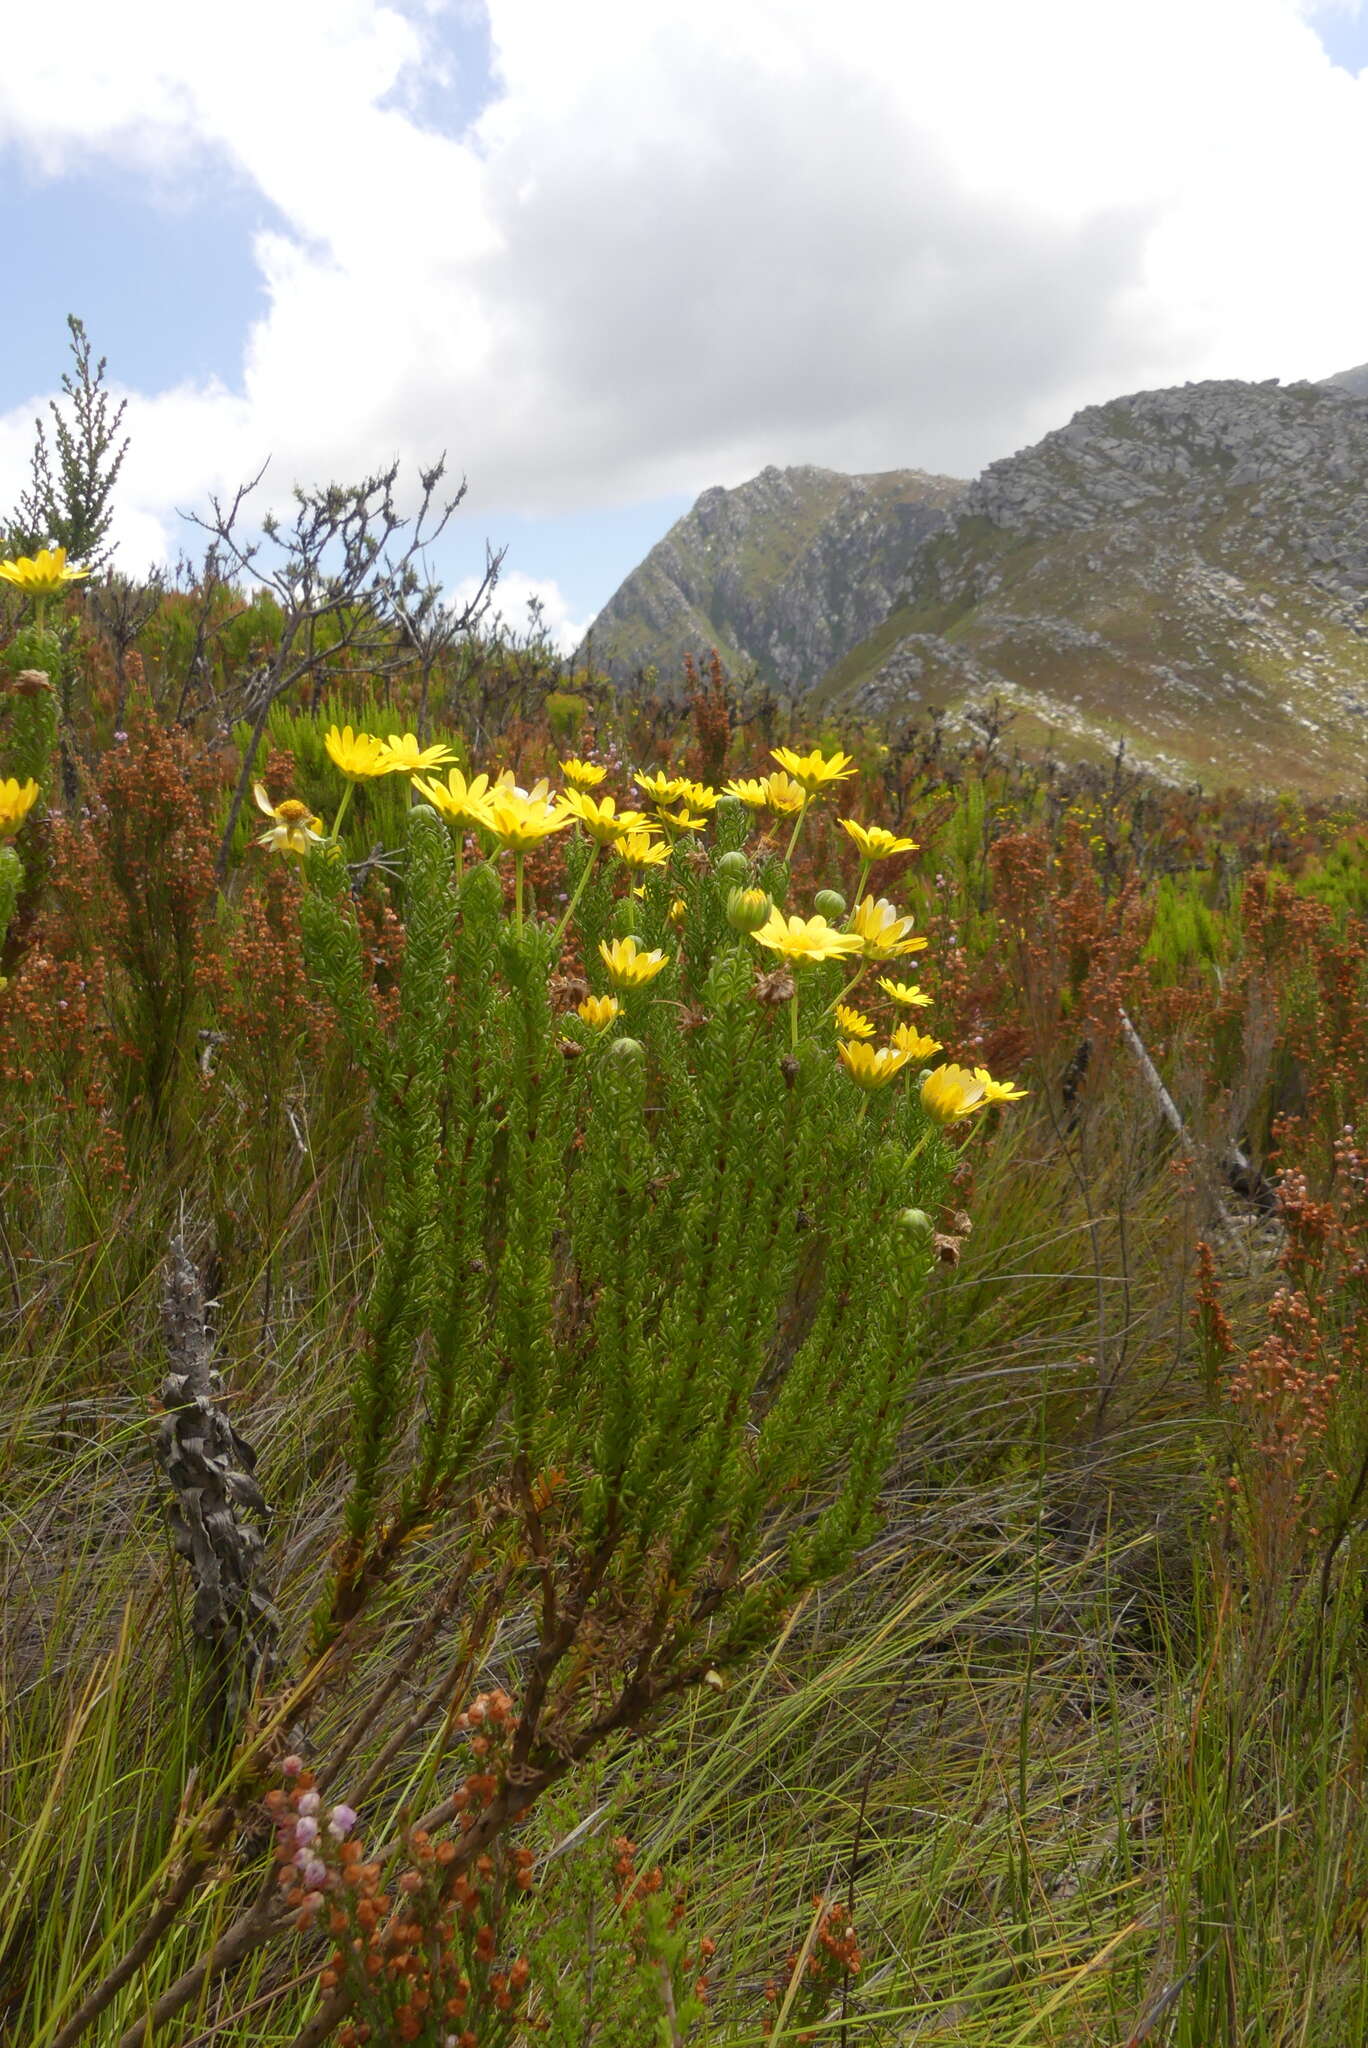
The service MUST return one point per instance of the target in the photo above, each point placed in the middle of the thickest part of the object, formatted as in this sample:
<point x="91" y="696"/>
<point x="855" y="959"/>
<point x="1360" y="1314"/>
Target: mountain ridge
<point x="783" y="574"/>
<point x="1184" y="569"/>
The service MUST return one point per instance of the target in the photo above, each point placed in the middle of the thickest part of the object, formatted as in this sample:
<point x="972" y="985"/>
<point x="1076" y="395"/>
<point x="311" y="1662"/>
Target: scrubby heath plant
<point x="643" y="1321"/>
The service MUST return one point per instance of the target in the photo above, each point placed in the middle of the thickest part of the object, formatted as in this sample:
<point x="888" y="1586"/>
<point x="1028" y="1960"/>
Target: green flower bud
<point x="733" y="867"/>
<point x="917" y="1225"/>
<point x="747" y="909"/>
<point x="627" y="1049"/>
<point x="829" y="903"/>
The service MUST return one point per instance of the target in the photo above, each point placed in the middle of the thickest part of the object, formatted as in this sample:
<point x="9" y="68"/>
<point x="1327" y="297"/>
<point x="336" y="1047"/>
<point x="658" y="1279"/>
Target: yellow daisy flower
<point x="661" y="788"/>
<point x="948" y="1093"/>
<point x="464" y="801"/>
<point x="998" y="1091"/>
<point x="628" y="966"/>
<point x="43" y="574"/>
<point x="908" y="1039"/>
<point x="874" y="842"/>
<point x="16" y="801"/>
<point x="293" y="829"/>
<point x="583" y="774"/>
<point x="357" y="754"/>
<point x="682" y="820"/>
<point x="905" y="992"/>
<point x="800" y="940"/>
<point x="640" y="850"/>
<point x="882" y="933"/>
<point x="852" y="1022"/>
<point x="871" y="1066"/>
<point x="600" y="817"/>
<point x="402" y="755"/>
<point x="813" y="771"/>
<point x="784" y="795"/>
<point x="599" y="1011"/>
<point x="520" y="818"/>
<point x="695" y="796"/>
<point x="753" y="794"/>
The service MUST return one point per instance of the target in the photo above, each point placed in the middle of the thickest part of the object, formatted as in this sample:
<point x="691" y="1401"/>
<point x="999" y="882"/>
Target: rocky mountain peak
<point x="783" y="574"/>
<point x="1183" y="569"/>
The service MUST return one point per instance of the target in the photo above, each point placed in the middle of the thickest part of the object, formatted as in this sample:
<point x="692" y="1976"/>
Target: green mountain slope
<point x="1186" y="570"/>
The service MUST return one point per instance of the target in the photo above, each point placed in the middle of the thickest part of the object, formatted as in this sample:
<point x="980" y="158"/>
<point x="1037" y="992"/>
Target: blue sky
<point x="611" y="256"/>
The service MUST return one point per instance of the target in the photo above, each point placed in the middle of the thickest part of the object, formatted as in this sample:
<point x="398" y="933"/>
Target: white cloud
<point x="510" y="608"/>
<point x="691" y="237"/>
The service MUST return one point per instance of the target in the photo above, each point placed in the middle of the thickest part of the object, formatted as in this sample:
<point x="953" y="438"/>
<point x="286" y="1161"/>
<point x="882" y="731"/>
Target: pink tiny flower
<point x="315" y="1874"/>
<point x="306" y="1829"/>
<point x="309" y="1802"/>
<point x="292" y="1766"/>
<point x="341" y="1821"/>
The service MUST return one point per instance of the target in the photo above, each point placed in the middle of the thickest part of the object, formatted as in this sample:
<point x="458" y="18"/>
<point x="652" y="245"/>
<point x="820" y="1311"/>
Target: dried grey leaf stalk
<point x="210" y="1469"/>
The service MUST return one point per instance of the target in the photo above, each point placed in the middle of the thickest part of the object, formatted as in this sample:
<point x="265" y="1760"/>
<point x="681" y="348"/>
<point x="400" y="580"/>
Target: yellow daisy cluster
<point x="511" y="819"/>
<point x="681" y="805"/>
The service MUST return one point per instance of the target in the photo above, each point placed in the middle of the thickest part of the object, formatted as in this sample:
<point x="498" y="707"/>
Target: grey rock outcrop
<point x="783" y="575"/>
<point x="1184" y="569"/>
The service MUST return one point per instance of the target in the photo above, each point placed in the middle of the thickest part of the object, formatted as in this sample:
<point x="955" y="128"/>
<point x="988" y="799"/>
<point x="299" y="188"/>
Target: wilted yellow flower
<point x="871" y="1066"/>
<point x="948" y="1093"/>
<point x="799" y="939"/>
<point x="583" y="774"/>
<point x="357" y="754"/>
<point x="755" y="795"/>
<point x="679" y="910"/>
<point x="874" y="842"/>
<point x="599" y="816"/>
<point x="908" y="1039"/>
<point x="905" y="992"/>
<point x="599" y="1011"/>
<point x="882" y="933"/>
<point x="853" y="1022"/>
<point x="401" y="754"/>
<point x="813" y="771"/>
<point x="683" y="820"/>
<point x="465" y="802"/>
<point x="640" y="850"/>
<point x="519" y="818"/>
<point x="628" y="966"/>
<point x="43" y="574"/>
<point x="784" y="795"/>
<point x="16" y="801"/>
<point x="294" y="829"/>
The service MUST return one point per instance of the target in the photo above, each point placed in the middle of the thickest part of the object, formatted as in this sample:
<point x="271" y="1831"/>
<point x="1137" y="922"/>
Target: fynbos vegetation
<point x="666" y="1379"/>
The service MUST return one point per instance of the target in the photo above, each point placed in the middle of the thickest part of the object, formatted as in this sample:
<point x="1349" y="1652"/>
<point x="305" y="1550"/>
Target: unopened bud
<point x="917" y="1224"/>
<point x="829" y="903"/>
<point x="627" y="1049"/>
<point x="747" y="909"/>
<point x="733" y="867"/>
